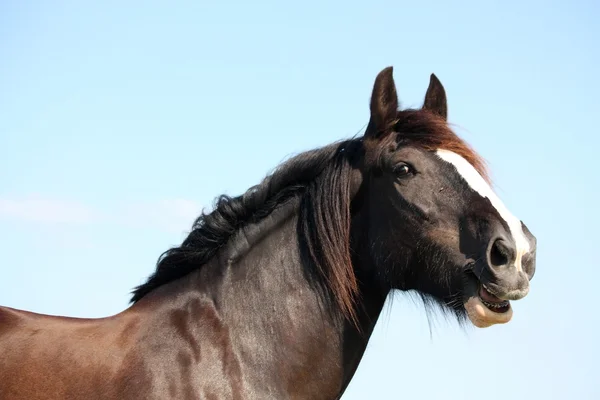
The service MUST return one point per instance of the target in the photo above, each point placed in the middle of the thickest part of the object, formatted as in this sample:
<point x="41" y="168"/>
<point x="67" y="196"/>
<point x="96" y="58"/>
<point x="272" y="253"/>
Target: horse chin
<point x="483" y="308"/>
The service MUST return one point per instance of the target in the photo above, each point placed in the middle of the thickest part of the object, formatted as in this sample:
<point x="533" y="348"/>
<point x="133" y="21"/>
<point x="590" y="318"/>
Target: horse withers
<point x="275" y="293"/>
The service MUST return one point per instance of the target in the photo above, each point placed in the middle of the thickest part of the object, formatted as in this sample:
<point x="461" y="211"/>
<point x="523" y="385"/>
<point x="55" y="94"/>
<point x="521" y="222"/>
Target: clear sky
<point x="120" y="120"/>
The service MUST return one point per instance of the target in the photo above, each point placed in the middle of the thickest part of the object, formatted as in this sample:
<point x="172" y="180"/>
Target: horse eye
<point x="402" y="170"/>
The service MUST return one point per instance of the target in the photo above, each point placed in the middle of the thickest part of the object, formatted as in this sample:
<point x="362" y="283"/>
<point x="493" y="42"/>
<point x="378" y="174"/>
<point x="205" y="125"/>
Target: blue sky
<point x="119" y="121"/>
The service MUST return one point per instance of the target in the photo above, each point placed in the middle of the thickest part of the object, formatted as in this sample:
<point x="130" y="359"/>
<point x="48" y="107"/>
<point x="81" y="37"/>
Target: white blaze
<point x="477" y="183"/>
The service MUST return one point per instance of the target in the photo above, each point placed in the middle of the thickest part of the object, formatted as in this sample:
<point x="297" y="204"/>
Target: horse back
<point x="52" y="357"/>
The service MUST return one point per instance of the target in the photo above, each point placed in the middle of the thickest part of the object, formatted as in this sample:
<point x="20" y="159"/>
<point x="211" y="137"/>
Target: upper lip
<point x="498" y="291"/>
<point x="490" y="297"/>
<point x="486" y="287"/>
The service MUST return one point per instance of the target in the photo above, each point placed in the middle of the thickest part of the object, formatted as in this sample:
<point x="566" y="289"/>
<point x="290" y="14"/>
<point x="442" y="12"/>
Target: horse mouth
<point x="492" y="302"/>
<point x="484" y="308"/>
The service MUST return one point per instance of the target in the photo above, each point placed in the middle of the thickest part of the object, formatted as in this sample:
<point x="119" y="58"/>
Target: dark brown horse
<point x="274" y="294"/>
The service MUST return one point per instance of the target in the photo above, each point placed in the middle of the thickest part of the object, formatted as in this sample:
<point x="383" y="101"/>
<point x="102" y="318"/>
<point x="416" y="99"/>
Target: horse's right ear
<point x="384" y="104"/>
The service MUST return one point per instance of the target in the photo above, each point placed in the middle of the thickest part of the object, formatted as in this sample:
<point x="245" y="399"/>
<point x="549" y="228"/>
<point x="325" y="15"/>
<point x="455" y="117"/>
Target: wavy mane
<point x="323" y="175"/>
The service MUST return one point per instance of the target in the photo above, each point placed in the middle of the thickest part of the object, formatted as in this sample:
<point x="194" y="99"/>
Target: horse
<point x="274" y="293"/>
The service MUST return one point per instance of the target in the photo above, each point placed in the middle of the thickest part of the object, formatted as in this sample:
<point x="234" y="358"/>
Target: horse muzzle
<point x="500" y="276"/>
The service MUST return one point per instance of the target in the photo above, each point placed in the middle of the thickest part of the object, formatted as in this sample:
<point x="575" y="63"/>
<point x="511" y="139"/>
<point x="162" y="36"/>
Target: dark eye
<point x="403" y="170"/>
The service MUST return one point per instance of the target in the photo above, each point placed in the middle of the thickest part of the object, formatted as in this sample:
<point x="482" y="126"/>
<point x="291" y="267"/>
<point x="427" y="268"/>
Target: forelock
<point x="431" y="132"/>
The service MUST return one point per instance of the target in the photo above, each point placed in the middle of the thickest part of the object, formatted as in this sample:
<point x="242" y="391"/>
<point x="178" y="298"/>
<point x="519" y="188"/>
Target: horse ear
<point x="384" y="104"/>
<point x="435" y="98"/>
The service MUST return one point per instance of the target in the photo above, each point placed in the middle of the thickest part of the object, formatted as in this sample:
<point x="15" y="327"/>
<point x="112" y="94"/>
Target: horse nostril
<point x="500" y="253"/>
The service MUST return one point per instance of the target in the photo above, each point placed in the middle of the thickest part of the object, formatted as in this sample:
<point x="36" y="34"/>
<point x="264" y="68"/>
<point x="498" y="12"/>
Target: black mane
<point x="299" y="176"/>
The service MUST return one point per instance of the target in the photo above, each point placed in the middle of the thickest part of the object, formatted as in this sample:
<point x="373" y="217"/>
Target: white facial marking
<point x="477" y="183"/>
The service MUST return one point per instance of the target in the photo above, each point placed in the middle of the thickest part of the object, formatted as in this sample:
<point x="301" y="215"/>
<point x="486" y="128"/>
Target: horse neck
<point x="271" y="311"/>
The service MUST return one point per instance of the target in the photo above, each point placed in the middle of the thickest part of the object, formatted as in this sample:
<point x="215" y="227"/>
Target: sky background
<point x="120" y="121"/>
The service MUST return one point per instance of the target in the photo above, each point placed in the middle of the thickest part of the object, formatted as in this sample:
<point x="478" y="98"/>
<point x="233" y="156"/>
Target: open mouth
<point x="483" y="307"/>
<point x="491" y="301"/>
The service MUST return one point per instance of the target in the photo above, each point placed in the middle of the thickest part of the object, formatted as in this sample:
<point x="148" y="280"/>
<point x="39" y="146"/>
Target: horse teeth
<point x="495" y="305"/>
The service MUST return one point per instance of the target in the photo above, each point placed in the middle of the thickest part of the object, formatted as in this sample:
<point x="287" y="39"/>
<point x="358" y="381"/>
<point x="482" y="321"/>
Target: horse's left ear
<point x="384" y="104"/>
<point x="435" y="98"/>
